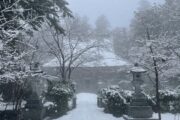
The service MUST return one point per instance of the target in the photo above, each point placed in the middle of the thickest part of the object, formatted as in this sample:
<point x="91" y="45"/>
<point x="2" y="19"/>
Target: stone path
<point x="87" y="110"/>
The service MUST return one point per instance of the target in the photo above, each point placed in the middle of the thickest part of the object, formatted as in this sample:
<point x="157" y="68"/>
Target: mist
<point x="118" y="12"/>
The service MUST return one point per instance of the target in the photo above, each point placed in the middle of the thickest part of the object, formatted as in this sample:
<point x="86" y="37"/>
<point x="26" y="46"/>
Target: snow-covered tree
<point x="121" y="43"/>
<point x="144" y="5"/>
<point x="102" y="28"/>
<point x="19" y="18"/>
<point x="171" y="15"/>
<point x="150" y="46"/>
<point x="69" y="49"/>
<point x="156" y="33"/>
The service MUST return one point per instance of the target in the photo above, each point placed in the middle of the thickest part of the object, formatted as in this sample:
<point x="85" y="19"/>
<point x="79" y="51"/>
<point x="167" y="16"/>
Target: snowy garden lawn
<point x="87" y="110"/>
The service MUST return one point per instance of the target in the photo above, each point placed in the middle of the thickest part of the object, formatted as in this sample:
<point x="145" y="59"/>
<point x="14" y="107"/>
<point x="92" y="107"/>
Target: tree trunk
<point x="157" y="84"/>
<point x="69" y="73"/>
<point x="63" y="73"/>
<point x="157" y="92"/>
<point x="156" y="78"/>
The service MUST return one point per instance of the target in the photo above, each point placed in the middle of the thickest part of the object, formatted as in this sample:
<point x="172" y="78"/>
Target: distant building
<point x="94" y="75"/>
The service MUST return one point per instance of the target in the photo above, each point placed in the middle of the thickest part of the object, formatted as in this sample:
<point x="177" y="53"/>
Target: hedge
<point x="116" y="101"/>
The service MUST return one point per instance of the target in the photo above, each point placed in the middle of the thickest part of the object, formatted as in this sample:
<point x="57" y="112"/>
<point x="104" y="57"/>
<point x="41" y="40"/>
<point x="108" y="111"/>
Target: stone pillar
<point x="138" y="108"/>
<point x="34" y="109"/>
<point x="74" y="97"/>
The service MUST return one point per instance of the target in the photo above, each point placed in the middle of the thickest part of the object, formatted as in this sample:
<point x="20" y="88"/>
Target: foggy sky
<point x="118" y="12"/>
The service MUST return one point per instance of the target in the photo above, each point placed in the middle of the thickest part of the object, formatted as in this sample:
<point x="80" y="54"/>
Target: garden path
<point x="87" y="109"/>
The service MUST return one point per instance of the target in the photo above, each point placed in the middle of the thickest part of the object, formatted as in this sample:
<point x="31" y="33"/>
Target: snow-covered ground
<point x="169" y="116"/>
<point x="87" y="110"/>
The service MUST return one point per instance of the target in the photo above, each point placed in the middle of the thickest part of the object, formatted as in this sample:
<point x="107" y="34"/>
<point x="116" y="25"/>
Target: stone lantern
<point x="138" y="108"/>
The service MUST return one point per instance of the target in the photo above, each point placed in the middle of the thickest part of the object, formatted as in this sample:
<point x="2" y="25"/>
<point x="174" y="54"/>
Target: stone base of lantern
<point x="140" y="111"/>
<point x="130" y="118"/>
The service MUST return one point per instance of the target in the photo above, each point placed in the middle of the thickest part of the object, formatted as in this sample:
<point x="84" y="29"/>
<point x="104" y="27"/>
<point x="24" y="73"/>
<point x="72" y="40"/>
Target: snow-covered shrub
<point x="116" y="101"/>
<point x="72" y="103"/>
<point x="169" y="101"/>
<point x="60" y="94"/>
<point x="50" y="108"/>
<point x="113" y="101"/>
<point x="127" y="94"/>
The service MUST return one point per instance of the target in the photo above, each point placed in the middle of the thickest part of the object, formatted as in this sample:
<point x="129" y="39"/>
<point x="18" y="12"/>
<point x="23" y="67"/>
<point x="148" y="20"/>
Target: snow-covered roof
<point x="107" y="59"/>
<point x="138" y="70"/>
<point x="101" y="56"/>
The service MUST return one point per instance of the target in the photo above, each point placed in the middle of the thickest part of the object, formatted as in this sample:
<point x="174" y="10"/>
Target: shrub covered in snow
<point x="170" y="101"/>
<point x="127" y="94"/>
<point x="60" y="94"/>
<point x="116" y="101"/>
<point x="112" y="100"/>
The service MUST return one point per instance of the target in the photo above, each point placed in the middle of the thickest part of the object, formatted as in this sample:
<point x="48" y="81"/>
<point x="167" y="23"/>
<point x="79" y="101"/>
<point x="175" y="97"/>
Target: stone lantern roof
<point x="137" y="69"/>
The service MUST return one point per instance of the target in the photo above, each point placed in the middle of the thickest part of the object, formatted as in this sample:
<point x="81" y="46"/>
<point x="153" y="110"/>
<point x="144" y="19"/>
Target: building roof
<point x="108" y="59"/>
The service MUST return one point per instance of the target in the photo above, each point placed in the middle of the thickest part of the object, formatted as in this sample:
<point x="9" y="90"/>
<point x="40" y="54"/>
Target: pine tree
<point x="19" y="18"/>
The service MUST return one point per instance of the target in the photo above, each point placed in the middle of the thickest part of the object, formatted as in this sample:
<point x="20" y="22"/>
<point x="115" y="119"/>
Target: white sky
<point x="118" y="12"/>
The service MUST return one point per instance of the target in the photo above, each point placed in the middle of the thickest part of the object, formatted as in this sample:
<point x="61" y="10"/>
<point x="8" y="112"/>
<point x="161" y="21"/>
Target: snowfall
<point x="87" y="110"/>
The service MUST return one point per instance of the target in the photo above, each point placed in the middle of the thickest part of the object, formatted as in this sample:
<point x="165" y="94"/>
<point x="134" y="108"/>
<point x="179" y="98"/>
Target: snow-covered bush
<point x="60" y="94"/>
<point x="116" y="101"/>
<point x="112" y="100"/>
<point x="169" y="101"/>
<point x="127" y="94"/>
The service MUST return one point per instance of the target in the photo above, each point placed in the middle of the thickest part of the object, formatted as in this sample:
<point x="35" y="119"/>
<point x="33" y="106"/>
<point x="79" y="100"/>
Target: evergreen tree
<point x="17" y="18"/>
<point x="102" y="27"/>
<point x="121" y="42"/>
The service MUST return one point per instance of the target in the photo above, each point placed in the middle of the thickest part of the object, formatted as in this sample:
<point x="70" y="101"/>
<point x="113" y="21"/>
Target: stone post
<point x="138" y="108"/>
<point x="74" y="97"/>
<point x="34" y="109"/>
